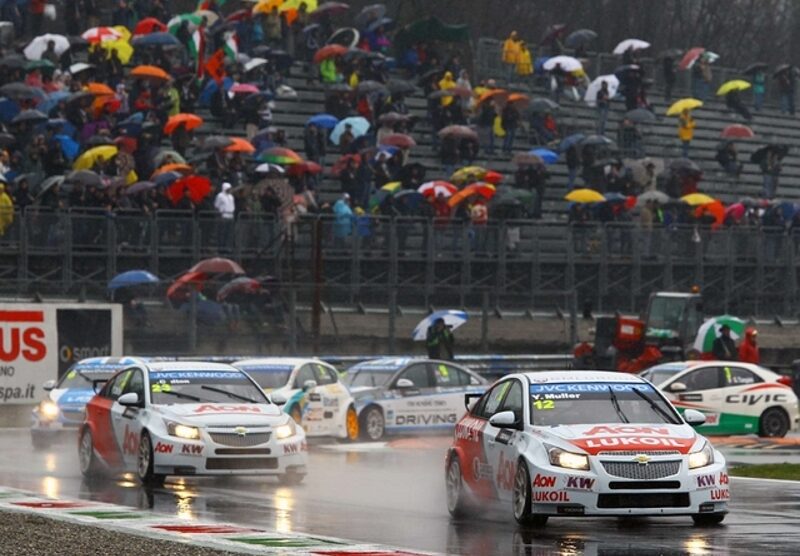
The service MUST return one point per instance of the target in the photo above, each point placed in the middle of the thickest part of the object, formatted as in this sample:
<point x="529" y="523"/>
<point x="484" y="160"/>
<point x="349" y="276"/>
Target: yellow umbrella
<point x="123" y="48"/>
<point x="89" y="158"/>
<point x="311" y="5"/>
<point x="733" y="85"/>
<point x="123" y="31"/>
<point x="265" y="6"/>
<point x="684" y="104"/>
<point x="392" y="187"/>
<point x="585" y="196"/>
<point x="468" y="173"/>
<point x="697" y="199"/>
<point x="131" y="178"/>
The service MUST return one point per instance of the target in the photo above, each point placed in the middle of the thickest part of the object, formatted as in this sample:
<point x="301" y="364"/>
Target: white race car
<point x="736" y="398"/>
<point x="584" y="443"/>
<point x="188" y="418"/>
<point x="309" y="390"/>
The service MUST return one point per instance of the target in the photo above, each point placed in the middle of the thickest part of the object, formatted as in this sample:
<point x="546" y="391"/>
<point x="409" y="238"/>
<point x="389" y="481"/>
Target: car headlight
<point x="285" y="431"/>
<point x="568" y="460"/>
<point x="182" y="431"/>
<point x="48" y="409"/>
<point x="702" y="458"/>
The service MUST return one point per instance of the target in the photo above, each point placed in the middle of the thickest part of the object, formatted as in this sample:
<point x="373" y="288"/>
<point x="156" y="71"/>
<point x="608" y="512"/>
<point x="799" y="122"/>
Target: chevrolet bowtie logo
<point x="642" y="459"/>
<point x="241" y="431"/>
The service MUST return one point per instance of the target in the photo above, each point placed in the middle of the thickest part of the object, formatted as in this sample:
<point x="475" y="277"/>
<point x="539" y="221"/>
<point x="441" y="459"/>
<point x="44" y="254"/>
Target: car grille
<point x="236" y="440"/>
<point x="639" y="472"/>
<point x="643" y="485"/>
<point x="648" y="500"/>
<point x="243" y="451"/>
<point x="638" y="452"/>
<point x="216" y="464"/>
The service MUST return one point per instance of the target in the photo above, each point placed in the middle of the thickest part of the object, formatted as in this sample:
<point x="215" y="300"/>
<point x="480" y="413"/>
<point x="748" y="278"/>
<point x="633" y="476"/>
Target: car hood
<point x="612" y="437"/>
<point x="72" y="397"/>
<point x="223" y="414"/>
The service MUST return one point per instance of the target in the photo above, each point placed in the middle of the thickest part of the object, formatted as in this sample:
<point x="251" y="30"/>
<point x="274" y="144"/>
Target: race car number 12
<point x="544" y="404"/>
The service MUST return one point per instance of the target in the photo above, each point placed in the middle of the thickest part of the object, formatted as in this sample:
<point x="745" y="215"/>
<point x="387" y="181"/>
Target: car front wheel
<point x="774" y="423"/>
<point x="522" y="496"/>
<point x="373" y="424"/>
<point x="90" y="467"/>
<point x="145" y="464"/>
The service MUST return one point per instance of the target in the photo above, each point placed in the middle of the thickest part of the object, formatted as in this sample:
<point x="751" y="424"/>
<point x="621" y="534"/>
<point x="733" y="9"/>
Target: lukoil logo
<point x="20" y="337"/>
<point x="69" y="354"/>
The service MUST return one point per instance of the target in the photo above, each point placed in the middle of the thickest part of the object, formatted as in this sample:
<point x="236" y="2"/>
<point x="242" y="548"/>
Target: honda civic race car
<point x="736" y="398"/>
<point x="309" y="390"/>
<point x="403" y="394"/>
<point x="188" y="418"/>
<point x="62" y="411"/>
<point x="584" y="443"/>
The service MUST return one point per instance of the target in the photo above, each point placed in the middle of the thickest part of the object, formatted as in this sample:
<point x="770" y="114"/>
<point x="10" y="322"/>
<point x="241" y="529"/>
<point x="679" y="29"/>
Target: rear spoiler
<point x="469" y="397"/>
<point x="98" y="382"/>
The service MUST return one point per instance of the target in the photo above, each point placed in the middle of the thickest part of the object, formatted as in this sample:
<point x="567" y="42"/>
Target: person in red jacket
<point x="748" y="349"/>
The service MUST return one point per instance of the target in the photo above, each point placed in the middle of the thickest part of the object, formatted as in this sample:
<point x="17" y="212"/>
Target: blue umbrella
<point x="547" y="155"/>
<point x="166" y="178"/>
<point x="570" y="141"/>
<point x="132" y="278"/>
<point x="359" y="127"/>
<point x="325" y="121"/>
<point x="452" y="318"/>
<point x="69" y="146"/>
<point x="8" y="110"/>
<point x="156" y="39"/>
<point x="788" y="210"/>
<point x="211" y="88"/>
<point x="52" y="101"/>
<point x="538" y="64"/>
<point x="385" y="151"/>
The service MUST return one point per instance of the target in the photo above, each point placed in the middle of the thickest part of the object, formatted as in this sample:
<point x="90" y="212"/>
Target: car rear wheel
<point x="90" y="467"/>
<point x="773" y="423"/>
<point x="521" y="498"/>
<point x="145" y="464"/>
<point x="707" y="519"/>
<point x="373" y="424"/>
<point x="351" y="424"/>
<point x="454" y="484"/>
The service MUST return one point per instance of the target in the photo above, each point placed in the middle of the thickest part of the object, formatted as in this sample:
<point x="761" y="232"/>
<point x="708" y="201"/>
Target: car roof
<point x="386" y="363"/>
<point x="106" y="364"/>
<point x="190" y="366"/>
<point x="676" y="366"/>
<point x="276" y="362"/>
<point x="544" y="377"/>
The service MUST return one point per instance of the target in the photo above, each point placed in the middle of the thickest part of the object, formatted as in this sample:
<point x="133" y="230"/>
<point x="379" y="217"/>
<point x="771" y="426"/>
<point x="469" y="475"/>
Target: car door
<point x="740" y="406"/>
<point x="703" y="393"/>
<point x="126" y="420"/>
<point x="308" y="402"/>
<point x="332" y="393"/>
<point x="503" y="442"/>
<point x="451" y="384"/>
<point x="488" y="468"/>
<point x="411" y="407"/>
<point x="99" y="416"/>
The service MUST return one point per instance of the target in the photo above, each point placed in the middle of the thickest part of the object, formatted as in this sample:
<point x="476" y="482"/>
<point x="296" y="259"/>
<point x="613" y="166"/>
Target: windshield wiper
<point x="231" y="394"/>
<point x="615" y="403"/>
<point x="657" y="408"/>
<point x="181" y="395"/>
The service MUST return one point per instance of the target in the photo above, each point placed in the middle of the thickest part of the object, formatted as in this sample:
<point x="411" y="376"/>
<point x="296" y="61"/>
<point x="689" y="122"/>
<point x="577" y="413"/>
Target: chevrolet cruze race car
<point x="62" y="410"/>
<point x="404" y="394"/>
<point x="309" y="390"/>
<point x="584" y="443"/>
<point x="736" y="398"/>
<point x="188" y="418"/>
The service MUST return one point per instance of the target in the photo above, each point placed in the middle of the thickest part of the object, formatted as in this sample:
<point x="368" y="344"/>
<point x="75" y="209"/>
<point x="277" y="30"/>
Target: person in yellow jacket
<point x="511" y="50"/>
<point x="524" y="61"/>
<point x="6" y="210"/>
<point x="686" y="131"/>
<point x="447" y="82"/>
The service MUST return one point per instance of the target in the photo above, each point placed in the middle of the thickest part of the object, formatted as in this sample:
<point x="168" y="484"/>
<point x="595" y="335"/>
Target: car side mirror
<point x="677" y="387"/>
<point x="131" y="399"/>
<point x="309" y="385"/>
<point x="49" y="385"/>
<point x="403" y="383"/>
<point x="693" y="417"/>
<point x="504" y="420"/>
<point x="278" y="398"/>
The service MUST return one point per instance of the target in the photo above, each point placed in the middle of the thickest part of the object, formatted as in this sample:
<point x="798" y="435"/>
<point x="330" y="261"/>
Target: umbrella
<point x="691" y="57"/>
<point x="493" y="177"/>
<point x="518" y="98"/>
<point x="240" y="145"/>
<point x="737" y="131"/>
<point x="553" y="32"/>
<point x="340" y="165"/>
<point x="683" y="104"/>
<point x="181" y="288"/>
<point x="485" y="190"/>
<point x="149" y="72"/>
<point x="570" y="141"/>
<point x="84" y="177"/>
<point x="393" y="118"/>
<point x="329" y="9"/>
<point x="762" y="152"/>
<point x="437" y="188"/>
<point x="163" y="154"/>
<point x="584" y="196"/>
<point x="468" y="174"/>
<point x="640" y="116"/>
<point x="101" y="34"/>
<point x="75" y="69"/>
<point x="733" y="85"/>
<point x="596" y="140"/>
<point x="179" y="167"/>
<point x="567" y="63"/>
<point x="622" y="70"/>
<point x="29" y="116"/>
<point x="631" y="44"/>
<point x="304" y="167"/>
<point x="329" y="51"/>
<point x="654" y="195"/>
<point x="268" y="168"/>
<point x="498" y="94"/>
<point x="199" y="188"/>
<point x="369" y="14"/>
<point x="753" y="68"/>
<point x="167" y="178"/>
<point x="400" y="140"/>
<point x="347" y="36"/>
<point x="400" y="87"/>
<point x="591" y="92"/>
<point x="97" y="89"/>
<point x="242" y="286"/>
<point x="527" y="159"/>
<point x="458" y="131"/>
<point x="7" y="139"/>
<point x="368" y="87"/>
<point x="452" y="319"/>
<point x="715" y="210"/>
<point x="132" y="278"/>
<point x="782" y="68"/>
<point x="140" y="186"/>
<point x="547" y="156"/>
<point x="280" y="155"/>
<point x="243" y="89"/>
<point x="90" y="157"/>
<point x="684" y="165"/>
<point x="507" y="193"/>
<point x="358" y="127"/>
<point x="37" y="46"/>
<point x="213" y="142"/>
<point x="18" y="90"/>
<point x="579" y="38"/>
<point x="149" y="25"/>
<point x="735" y="211"/>
<point x="13" y="61"/>
<point x="188" y="121"/>
<point x="52" y="181"/>
<point x="697" y="199"/>
<point x="710" y="331"/>
<point x="254" y="63"/>
<point x="156" y="39"/>
<point x="325" y="121"/>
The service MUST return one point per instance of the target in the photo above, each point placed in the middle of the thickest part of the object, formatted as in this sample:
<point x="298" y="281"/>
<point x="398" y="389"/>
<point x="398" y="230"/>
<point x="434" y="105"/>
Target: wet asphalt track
<point x="396" y="496"/>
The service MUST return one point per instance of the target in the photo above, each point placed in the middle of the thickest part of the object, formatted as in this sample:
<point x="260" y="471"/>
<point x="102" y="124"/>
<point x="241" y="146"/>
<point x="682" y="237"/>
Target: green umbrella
<point x="709" y="331"/>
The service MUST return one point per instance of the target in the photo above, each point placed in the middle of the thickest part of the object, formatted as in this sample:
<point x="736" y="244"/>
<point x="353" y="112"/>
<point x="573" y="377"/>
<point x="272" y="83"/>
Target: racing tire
<point x="707" y="520"/>
<point x="774" y="423"/>
<point x="87" y="459"/>
<point x="291" y="478"/>
<point x="457" y="503"/>
<point x="521" y="498"/>
<point x="351" y="425"/>
<point x="145" y="463"/>
<point x="373" y="424"/>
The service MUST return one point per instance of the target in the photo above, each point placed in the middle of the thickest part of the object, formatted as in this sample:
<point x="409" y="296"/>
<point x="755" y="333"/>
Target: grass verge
<point x="786" y="471"/>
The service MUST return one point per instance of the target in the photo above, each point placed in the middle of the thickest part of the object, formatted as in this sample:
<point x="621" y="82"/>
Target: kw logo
<point x="192" y="450"/>
<point x="705" y="481"/>
<point x="582" y="483"/>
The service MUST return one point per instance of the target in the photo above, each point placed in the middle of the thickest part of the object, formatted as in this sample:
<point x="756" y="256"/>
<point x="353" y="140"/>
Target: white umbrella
<point x="451" y="318"/>
<point x="591" y="92"/>
<point x="253" y="63"/>
<point x="79" y="67"/>
<point x="37" y="46"/>
<point x="631" y="44"/>
<point x="267" y="168"/>
<point x="567" y="63"/>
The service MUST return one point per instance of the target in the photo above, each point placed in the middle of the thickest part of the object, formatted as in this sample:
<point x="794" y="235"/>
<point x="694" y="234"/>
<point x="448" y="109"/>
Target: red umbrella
<point x="181" y="288"/>
<point x="691" y="57"/>
<point x="240" y="15"/>
<point x="149" y="25"/>
<point x="217" y="265"/>
<point x="329" y="8"/>
<point x="493" y="177"/>
<point x="735" y="211"/>
<point x="400" y="140"/>
<point x="737" y="131"/>
<point x="244" y="89"/>
<point x="459" y="131"/>
<point x="198" y="186"/>
<point x="329" y="51"/>
<point x="305" y="167"/>
<point x="436" y="188"/>
<point x="341" y="164"/>
<point x="239" y="286"/>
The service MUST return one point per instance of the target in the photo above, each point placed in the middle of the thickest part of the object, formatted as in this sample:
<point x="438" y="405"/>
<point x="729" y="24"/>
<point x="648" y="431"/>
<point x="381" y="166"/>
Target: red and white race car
<point x="584" y="443"/>
<point x="188" y="418"/>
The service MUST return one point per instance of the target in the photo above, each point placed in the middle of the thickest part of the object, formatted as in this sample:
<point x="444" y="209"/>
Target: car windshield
<point x="369" y="377"/>
<point x="578" y="403"/>
<point x="188" y="386"/>
<point x="84" y="377"/>
<point x="268" y="377"/>
<point x="659" y="376"/>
